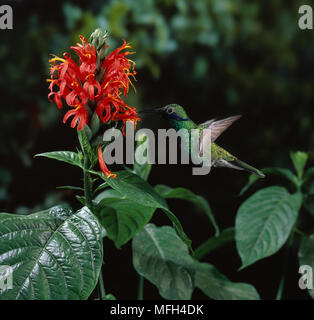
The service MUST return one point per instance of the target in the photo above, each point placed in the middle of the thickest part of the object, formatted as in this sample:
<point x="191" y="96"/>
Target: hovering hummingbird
<point x="178" y="119"/>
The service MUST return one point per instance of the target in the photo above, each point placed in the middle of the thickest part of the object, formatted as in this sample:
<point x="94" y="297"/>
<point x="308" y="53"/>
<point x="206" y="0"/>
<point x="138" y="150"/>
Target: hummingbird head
<point x="171" y="112"/>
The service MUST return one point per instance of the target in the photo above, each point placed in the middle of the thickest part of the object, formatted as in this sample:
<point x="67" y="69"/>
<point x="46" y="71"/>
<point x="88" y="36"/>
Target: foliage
<point x="162" y="255"/>
<point x="268" y="218"/>
<point x="55" y="254"/>
<point x="214" y="56"/>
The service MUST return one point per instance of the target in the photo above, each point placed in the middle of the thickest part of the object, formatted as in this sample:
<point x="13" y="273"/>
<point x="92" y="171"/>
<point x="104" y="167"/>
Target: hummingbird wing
<point x="216" y="129"/>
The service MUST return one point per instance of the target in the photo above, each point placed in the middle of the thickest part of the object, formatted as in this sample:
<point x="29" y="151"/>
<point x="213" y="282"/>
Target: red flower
<point x="78" y="113"/>
<point x="103" y="166"/>
<point x="98" y="84"/>
<point x="87" y="54"/>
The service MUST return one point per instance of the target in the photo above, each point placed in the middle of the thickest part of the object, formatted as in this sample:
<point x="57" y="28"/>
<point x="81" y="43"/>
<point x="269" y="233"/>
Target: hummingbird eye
<point x="170" y="110"/>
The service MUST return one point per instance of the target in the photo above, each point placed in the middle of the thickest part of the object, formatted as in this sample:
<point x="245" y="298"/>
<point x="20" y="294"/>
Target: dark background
<point x="216" y="58"/>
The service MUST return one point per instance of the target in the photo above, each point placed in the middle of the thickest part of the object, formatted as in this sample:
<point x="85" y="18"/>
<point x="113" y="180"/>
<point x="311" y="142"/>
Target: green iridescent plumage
<point x="178" y="119"/>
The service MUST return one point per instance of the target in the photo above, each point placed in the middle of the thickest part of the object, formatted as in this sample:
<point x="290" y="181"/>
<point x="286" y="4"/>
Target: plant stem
<point x="140" y="288"/>
<point x="301" y="233"/>
<point x="281" y="286"/>
<point x="87" y="185"/>
<point x="89" y="204"/>
<point x="284" y="269"/>
<point x="101" y="286"/>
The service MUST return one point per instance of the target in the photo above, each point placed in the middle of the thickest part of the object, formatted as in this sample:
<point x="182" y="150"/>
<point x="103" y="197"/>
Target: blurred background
<point x="214" y="57"/>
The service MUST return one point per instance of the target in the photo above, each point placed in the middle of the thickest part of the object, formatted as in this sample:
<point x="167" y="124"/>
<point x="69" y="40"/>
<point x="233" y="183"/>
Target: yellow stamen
<point x="111" y="175"/>
<point x="133" y="63"/>
<point x="91" y="74"/>
<point x="56" y="58"/>
<point x="133" y="84"/>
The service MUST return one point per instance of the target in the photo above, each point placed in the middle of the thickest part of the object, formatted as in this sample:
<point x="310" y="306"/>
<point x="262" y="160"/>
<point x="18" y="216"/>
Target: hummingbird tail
<point x="240" y="165"/>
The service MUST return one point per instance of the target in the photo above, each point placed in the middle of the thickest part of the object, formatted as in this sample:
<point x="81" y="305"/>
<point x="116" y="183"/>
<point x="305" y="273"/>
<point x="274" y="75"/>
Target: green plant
<point x="58" y="253"/>
<point x="270" y="218"/>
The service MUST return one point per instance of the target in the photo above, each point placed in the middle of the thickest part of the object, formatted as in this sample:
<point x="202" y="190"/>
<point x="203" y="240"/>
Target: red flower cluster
<point x="93" y="85"/>
<point x="79" y="85"/>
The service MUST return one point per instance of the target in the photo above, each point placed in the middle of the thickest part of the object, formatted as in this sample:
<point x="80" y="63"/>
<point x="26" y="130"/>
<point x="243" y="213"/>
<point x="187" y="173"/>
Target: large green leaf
<point x="134" y="188"/>
<point x="306" y="255"/>
<point x="213" y="243"/>
<point x="299" y="160"/>
<point x="55" y="254"/>
<point x="161" y="257"/>
<point x="65" y="156"/>
<point x="185" y="194"/>
<point x="217" y="286"/>
<point x="122" y="218"/>
<point x="264" y="222"/>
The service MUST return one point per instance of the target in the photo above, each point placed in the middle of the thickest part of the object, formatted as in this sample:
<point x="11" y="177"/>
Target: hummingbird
<point x="178" y="119"/>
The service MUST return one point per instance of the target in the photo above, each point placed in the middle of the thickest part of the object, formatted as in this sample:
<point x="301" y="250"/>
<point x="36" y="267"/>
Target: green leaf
<point x="185" y="194"/>
<point x="299" y="160"/>
<point x="264" y="222"/>
<point x="109" y="194"/>
<point x="285" y="173"/>
<point x="55" y="254"/>
<point x="161" y="257"/>
<point x="84" y="137"/>
<point x="134" y="188"/>
<point x="178" y="227"/>
<point x="213" y="243"/>
<point x="217" y="286"/>
<point x="81" y="199"/>
<point x="65" y="156"/>
<point x="95" y="124"/>
<point x="101" y="186"/>
<point x="306" y="255"/>
<point x="122" y="218"/>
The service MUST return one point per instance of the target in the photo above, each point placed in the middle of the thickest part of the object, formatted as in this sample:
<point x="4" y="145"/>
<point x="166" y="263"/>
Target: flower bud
<point x="98" y="39"/>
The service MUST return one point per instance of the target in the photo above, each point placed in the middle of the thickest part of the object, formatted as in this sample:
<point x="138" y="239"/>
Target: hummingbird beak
<point x="156" y="110"/>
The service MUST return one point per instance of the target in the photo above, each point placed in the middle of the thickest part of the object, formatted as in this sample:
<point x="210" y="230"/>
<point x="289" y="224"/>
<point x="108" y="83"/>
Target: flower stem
<point x="89" y="204"/>
<point x="140" y="292"/>
<point x="101" y="286"/>
<point x="285" y="266"/>
<point x="87" y="185"/>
